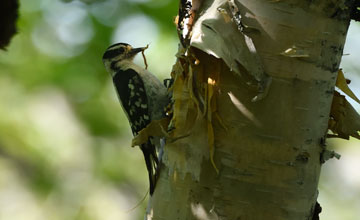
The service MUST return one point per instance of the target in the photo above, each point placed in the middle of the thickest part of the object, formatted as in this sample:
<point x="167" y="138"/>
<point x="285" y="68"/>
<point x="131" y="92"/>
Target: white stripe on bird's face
<point x="115" y="55"/>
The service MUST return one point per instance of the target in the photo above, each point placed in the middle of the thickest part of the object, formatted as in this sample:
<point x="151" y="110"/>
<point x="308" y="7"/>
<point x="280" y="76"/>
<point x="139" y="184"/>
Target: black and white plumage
<point x="142" y="96"/>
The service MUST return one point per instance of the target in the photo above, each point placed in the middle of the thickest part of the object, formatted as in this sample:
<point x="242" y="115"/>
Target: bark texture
<point x="268" y="153"/>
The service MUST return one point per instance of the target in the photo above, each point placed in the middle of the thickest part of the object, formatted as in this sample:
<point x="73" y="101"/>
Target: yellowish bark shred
<point x="344" y="120"/>
<point x="194" y="92"/>
<point x="342" y="84"/>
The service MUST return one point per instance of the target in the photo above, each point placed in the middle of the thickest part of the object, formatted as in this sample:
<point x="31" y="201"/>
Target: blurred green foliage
<point x="64" y="141"/>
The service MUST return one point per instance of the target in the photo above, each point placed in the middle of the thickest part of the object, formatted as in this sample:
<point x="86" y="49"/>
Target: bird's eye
<point x="120" y="50"/>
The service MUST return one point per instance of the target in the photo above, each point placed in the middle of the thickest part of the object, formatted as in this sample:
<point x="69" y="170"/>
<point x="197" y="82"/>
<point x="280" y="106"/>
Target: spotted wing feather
<point x="131" y="91"/>
<point x="133" y="98"/>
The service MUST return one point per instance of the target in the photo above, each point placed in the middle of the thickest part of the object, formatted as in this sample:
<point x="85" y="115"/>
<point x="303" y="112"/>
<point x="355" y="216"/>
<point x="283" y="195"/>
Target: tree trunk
<point x="230" y="155"/>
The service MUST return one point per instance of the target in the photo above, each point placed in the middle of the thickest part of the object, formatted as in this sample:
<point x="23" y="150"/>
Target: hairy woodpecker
<point x="142" y="96"/>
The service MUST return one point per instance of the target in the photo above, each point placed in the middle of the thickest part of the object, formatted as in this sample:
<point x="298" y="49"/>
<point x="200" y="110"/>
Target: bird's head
<point x="116" y="54"/>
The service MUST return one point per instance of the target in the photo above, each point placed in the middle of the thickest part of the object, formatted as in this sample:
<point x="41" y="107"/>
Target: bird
<point x="142" y="96"/>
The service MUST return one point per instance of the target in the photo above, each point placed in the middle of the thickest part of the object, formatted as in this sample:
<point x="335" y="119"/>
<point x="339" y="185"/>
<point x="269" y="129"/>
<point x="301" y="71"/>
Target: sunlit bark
<point x="268" y="152"/>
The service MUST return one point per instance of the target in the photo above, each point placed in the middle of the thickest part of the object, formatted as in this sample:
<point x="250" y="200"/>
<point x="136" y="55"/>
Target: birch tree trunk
<point x="230" y="155"/>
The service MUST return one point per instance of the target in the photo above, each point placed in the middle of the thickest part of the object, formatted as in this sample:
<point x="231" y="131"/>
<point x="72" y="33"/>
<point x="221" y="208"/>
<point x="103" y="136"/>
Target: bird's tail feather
<point x="152" y="162"/>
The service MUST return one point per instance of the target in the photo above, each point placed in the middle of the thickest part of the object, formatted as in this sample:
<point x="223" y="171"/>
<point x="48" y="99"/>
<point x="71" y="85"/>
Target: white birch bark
<point x="268" y="152"/>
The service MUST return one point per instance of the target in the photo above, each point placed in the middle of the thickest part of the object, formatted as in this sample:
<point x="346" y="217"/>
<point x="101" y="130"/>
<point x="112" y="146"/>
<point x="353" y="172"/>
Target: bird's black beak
<point x="134" y="51"/>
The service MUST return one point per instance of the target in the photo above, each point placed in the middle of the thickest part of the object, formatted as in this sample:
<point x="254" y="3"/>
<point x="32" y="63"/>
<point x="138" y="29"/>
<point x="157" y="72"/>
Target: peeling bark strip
<point x="268" y="153"/>
<point x="183" y="21"/>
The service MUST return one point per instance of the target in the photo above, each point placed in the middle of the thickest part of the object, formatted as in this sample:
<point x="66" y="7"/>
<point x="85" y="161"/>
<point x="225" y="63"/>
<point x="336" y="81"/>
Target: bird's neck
<point x="115" y="66"/>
